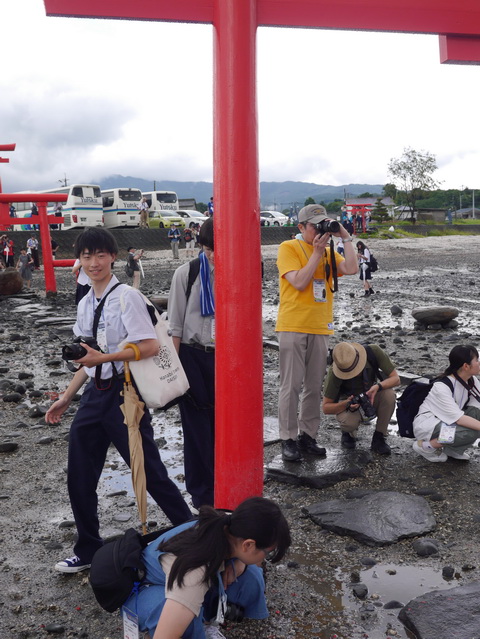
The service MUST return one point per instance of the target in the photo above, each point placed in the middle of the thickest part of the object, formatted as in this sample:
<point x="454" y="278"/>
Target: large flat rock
<point x="434" y="314"/>
<point x="320" y="472"/>
<point x="445" y="614"/>
<point x="377" y="519"/>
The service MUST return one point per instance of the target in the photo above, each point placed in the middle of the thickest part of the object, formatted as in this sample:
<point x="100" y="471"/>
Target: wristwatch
<point x="380" y="387"/>
<point x="348" y="239"/>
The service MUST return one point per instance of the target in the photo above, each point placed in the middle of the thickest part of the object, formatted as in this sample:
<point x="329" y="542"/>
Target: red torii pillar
<point x="6" y="147"/>
<point x="44" y="221"/>
<point x="239" y="392"/>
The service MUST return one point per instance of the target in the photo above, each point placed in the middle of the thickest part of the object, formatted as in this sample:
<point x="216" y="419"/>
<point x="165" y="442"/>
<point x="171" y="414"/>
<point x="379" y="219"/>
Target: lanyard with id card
<point x="319" y="291"/>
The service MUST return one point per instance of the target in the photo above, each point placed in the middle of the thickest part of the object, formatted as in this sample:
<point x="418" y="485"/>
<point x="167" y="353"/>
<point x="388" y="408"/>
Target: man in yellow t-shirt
<point x="305" y="320"/>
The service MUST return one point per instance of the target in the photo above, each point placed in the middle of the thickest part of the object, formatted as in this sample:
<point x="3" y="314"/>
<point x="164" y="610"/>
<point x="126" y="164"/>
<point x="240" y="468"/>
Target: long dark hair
<point x="206" y="543"/>
<point x="458" y="356"/>
<point x="361" y="247"/>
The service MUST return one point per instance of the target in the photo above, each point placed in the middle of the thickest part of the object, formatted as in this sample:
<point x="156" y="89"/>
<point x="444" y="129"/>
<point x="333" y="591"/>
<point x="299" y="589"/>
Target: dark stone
<point x="55" y="628"/>
<point x="396" y="310"/>
<point x="11" y="281"/>
<point x="368" y="561"/>
<point x="8" y="447"/>
<point x="337" y="466"/>
<point x="37" y="411"/>
<point x="427" y="315"/>
<point x="12" y="397"/>
<point x="444" y="614"/>
<point x="448" y="572"/>
<point x="25" y="375"/>
<point x="45" y="440"/>
<point x="360" y="590"/>
<point x="426" y="547"/>
<point x="20" y="388"/>
<point x="392" y="605"/>
<point x="377" y="519"/>
<point x="66" y="524"/>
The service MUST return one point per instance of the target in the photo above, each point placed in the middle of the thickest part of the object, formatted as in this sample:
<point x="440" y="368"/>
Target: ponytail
<point x="458" y="356"/>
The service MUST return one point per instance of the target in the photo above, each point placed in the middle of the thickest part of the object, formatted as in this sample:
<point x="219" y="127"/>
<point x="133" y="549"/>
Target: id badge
<point x="319" y="291"/>
<point x="130" y="624"/>
<point x="102" y="338"/>
<point x="221" y="608"/>
<point x="447" y="433"/>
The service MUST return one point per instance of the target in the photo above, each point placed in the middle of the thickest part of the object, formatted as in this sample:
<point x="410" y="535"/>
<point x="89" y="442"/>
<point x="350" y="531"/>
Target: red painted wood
<point x="238" y="292"/>
<point x="460" y="49"/>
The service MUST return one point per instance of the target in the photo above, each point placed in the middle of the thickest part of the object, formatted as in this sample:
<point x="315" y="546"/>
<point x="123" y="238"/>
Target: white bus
<point x="161" y="201"/>
<point x="120" y="207"/>
<point x="83" y="206"/>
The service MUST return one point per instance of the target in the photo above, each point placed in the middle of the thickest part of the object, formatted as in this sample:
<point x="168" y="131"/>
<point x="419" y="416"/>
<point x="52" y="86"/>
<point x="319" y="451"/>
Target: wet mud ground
<point x="310" y="593"/>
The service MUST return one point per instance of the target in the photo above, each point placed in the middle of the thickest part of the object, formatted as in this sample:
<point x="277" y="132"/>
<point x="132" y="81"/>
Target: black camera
<point x="365" y="405"/>
<point x="76" y="351"/>
<point x="234" y="612"/>
<point x="328" y="226"/>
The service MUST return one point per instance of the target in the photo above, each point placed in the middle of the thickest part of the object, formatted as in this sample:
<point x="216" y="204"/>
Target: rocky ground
<point x="310" y="594"/>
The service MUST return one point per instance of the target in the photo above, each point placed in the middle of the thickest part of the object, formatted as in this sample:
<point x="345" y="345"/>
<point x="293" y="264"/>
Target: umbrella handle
<point x="126" y="369"/>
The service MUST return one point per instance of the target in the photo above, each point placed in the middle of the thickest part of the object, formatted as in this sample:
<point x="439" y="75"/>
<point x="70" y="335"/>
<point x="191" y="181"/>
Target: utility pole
<point x="64" y="182"/>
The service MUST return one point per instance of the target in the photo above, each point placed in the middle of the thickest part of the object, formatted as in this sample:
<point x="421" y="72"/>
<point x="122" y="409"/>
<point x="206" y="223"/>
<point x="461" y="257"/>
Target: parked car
<point x="274" y="218"/>
<point x="166" y="219"/>
<point x="190" y="216"/>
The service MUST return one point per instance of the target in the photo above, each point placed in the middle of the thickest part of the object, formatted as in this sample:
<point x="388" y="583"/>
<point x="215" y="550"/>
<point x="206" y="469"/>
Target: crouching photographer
<point x="355" y="391"/>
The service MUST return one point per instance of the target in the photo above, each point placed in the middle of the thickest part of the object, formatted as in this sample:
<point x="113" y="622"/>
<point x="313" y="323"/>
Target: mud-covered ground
<point x="309" y="594"/>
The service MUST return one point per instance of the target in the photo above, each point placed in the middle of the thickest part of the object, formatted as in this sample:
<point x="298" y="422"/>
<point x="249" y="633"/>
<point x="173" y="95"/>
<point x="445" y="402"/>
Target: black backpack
<point x="409" y="402"/>
<point x="117" y="568"/>
<point x="373" y="264"/>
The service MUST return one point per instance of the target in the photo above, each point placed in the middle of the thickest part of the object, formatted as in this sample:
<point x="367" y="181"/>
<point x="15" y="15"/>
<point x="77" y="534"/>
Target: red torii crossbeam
<point x="239" y="387"/>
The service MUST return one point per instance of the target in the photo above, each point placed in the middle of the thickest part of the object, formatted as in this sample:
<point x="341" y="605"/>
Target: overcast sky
<point x="92" y="98"/>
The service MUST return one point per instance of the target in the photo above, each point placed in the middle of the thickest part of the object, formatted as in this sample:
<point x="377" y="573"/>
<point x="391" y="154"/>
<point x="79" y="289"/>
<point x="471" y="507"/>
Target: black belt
<point x="201" y="347"/>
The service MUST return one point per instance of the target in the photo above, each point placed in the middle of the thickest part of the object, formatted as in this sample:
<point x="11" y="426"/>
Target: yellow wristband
<point x="135" y="350"/>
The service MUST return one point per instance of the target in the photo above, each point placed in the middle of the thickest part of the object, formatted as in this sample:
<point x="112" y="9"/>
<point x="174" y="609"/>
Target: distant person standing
<point x="55" y="247"/>
<point x="23" y="265"/>
<point x="364" y="264"/>
<point x="174" y="237"/>
<point x="34" y="209"/>
<point x="189" y="236"/>
<point x="210" y="207"/>
<point x="143" y="208"/>
<point x="133" y="259"/>
<point x="8" y="252"/>
<point x="32" y="248"/>
<point x="59" y="213"/>
<point x="12" y="211"/>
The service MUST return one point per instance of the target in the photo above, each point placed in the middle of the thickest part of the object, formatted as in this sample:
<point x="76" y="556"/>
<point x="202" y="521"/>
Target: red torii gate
<point x="44" y="221"/>
<point x="6" y="147"/>
<point x="239" y="384"/>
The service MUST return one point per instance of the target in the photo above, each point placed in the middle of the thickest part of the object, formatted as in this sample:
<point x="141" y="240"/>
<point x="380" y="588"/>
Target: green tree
<point x="412" y="173"/>
<point x="335" y="206"/>
<point x="201" y="207"/>
<point x="309" y="200"/>
<point x="366" y="194"/>
<point x="379" y="211"/>
<point x="390" y="190"/>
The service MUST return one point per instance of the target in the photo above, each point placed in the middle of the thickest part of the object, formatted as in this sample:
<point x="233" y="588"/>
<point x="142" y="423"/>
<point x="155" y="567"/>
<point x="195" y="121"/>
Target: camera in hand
<point x="365" y="405"/>
<point x="76" y="351"/>
<point x="328" y="226"/>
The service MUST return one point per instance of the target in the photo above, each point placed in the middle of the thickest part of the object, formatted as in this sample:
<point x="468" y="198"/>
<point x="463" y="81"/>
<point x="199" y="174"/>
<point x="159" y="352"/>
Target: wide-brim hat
<point x="349" y="359"/>
<point x="313" y="213"/>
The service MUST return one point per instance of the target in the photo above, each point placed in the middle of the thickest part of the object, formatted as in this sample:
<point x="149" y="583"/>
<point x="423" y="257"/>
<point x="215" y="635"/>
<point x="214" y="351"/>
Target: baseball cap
<point x="313" y="213"/>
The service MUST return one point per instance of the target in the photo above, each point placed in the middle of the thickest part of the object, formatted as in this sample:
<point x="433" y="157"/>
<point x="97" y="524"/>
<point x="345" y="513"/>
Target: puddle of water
<point x="332" y="588"/>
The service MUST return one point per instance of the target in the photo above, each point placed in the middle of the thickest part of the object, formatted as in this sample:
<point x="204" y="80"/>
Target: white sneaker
<point x="212" y="632"/>
<point x="71" y="565"/>
<point x="434" y="455"/>
<point x="454" y="455"/>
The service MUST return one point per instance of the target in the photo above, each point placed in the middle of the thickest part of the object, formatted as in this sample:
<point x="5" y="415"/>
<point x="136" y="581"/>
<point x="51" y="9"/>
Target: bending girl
<point x="191" y="566"/>
<point x="460" y="408"/>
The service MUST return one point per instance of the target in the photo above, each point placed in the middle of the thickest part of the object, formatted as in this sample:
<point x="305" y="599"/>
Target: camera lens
<point x="333" y="226"/>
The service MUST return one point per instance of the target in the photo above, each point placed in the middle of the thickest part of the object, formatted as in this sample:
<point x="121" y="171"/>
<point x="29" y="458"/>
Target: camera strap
<point x="96" y="320"/>
<point x="332" y="269"/>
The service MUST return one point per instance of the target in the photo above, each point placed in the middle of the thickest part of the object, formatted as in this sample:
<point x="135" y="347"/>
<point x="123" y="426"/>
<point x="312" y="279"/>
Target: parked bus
<point x="161" y="201"/>
<point x="120" y="207"/>
<point x="82" y="208"/>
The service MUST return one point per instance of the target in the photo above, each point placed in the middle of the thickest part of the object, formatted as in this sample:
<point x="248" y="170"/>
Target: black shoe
<point x="372" y="292"/>
<point x="379" y="445"/>
<point x="308" y="445"/>
<point x="348" y="441"/>
<point x="290" y="450"/>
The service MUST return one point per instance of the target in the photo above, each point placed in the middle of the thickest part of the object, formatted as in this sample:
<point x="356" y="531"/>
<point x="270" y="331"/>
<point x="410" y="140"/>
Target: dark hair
<point x="205" y="237"/>
<point x="206" y="543"/>
<point x="95" y="239"/>
<point x="361" y="246"/>
<point x="458" y="356"/>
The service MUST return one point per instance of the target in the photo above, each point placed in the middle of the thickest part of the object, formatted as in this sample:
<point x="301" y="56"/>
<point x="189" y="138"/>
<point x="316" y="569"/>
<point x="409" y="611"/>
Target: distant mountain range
<point x="283" y="194"/>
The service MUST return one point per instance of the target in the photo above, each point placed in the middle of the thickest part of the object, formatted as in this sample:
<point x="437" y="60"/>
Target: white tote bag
<point x="160" y="379"/>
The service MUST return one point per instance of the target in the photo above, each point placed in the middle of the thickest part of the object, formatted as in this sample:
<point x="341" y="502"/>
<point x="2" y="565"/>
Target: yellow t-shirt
<point x="311" y="310"/>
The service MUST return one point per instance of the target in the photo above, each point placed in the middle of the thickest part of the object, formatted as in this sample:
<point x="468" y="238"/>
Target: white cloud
<point x="91" y="98"/>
